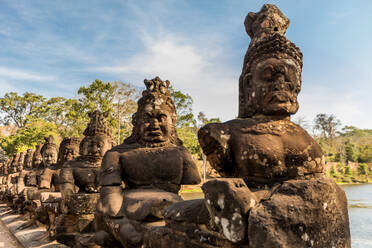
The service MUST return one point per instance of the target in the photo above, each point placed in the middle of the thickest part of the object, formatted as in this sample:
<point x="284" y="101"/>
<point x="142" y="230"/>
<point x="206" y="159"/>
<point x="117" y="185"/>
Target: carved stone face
<point x="49" y="156"/>
<point x="95" y="146"/>
<point x="68" y="152"/>
<point x="155" y="125"/>
<point x="37" y="158"/>
<point x="274" y="86"/>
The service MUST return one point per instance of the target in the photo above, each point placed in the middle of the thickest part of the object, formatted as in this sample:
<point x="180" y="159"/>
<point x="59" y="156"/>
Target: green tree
<point x="20" y="110"/>
<point x="183" y="103"/>
<point x="362" y="169"/>
<point x="347" y="170"/>
<point x="350" y="151"/>
<point x="365" y="153"/>
<point x="125" y="105"/>
<point x="332" y="171"/>
<point x="97" y="96"/>
<point x="327" y="125"/>
<point x="29" y="136"/>
<point x="203" y="120"/>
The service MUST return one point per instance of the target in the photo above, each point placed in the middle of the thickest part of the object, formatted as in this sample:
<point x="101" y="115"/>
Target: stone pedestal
<point x="51" y="207"/>
<point x="301" y="213"/>
<point x="293" y="214"/>
<point x="77" y="217"/>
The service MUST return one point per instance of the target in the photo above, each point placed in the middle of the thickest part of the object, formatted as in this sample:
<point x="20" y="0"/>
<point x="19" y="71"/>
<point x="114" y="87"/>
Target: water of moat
<point x="360" y="212"/>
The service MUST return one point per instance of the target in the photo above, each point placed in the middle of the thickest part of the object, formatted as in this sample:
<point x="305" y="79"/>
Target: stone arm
<point x="9" y="183"/>
<point x="67" y="180"/>
<point x="46" y="179"/>
<point x="214" y="139"/>
<point x="21" y="181"/>
<point x="190" y="170"/>
<point x="111" y="198"/>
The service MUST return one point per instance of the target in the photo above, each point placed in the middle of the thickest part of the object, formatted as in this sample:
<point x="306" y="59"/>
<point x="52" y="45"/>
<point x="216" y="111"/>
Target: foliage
<point x="29" y="136"/>
<point x="327" y="125"/>
<point x="362" y="169"/>
<point x="183" y="103"/>
<point x="20" y="110"/>
<point x="125" y="106"/>
<point x="347" y="170"/>
<point x="36" y="116"/>
<point x="332" y="171"/>
<point x="187" y="126"/>
<point x="350" y="151"/>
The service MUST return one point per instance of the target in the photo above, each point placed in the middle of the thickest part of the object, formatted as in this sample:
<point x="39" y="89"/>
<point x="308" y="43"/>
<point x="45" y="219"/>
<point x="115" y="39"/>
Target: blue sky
<point x="54" y="47"/>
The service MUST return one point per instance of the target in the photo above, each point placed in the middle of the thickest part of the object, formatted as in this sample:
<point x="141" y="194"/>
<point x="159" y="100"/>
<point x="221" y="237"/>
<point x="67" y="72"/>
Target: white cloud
<point x="350" y="107"/>
<point x="17" y="74"/>
<point x="196" y="70"/>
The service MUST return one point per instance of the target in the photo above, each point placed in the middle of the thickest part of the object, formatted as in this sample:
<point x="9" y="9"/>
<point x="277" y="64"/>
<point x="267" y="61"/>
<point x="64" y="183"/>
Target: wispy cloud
<point x="18" y="74"/>
<point x="195" y="70"/>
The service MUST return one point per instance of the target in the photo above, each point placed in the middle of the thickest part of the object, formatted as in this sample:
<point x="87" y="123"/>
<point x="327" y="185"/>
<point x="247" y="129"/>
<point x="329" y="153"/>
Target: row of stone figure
<point x="274" y="194"/>
<point x="32" y="182"/>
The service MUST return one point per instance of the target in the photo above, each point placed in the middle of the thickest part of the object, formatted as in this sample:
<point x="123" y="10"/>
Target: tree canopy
<point x="36" y="116"/>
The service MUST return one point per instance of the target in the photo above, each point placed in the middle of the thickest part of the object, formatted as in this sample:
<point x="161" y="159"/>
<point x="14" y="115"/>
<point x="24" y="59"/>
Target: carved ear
<point x="249" y="19"/>
<point x="105" y="114"/>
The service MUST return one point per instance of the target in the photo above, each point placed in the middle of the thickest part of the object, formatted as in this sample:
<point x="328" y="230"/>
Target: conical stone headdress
<point x="156" y="95"/>
<point x="49" y="143"/>
<point x="97" y="124"/>
<point x="267" y="31"/>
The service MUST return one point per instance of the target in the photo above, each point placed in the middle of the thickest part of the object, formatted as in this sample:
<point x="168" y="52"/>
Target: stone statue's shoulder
<point x="123" y="148"/>
<point x="73" y="162"/>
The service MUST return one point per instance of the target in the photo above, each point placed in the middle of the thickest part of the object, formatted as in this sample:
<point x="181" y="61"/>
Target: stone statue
<point x="269" y="146"/>
<point x="14" y="163"/>
<point x="49" y="176"/>
<point x="152" y="163"/>
<point x="68" y="149"/>
<point x="21" y="161"/>
<point x="32" y="174"/>
<point x="37" y="158"/>
<point x="4" y="177"/>
<point x="18" y="186"/>
<point x="22" y="184"/>
<point x="50" y="195"/>
<point x="83" y="172"/>
<point x="47" y="182"/>
<point x="80" y="181"/>
<point x="12" y="178"/>
<point x="28" y="159"/>
<point x="265" y="148"/>
<point x="276" y="194"/>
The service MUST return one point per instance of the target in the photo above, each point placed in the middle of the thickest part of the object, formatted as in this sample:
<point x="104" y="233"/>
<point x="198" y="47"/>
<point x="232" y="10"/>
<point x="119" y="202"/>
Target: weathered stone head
<point x="2" y="155"/>
<point x="14" y="163"/>
<point x="37" y="158"/>
<point x="68" y="149"/>
<point x="271" y="76"/>
<point x="6" y="166"/>
<point x="21" y="161"/>
<point x="154" y="121"/>
<point x="49" y="151"/>
<point x="97" y="138"/>
<point x="28" y="159"/>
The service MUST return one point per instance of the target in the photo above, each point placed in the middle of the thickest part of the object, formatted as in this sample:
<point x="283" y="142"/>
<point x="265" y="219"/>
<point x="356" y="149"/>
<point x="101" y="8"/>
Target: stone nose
<point x="154" y="123"/>
<point x="280" y="83"/>
<point x="93" y="148"/>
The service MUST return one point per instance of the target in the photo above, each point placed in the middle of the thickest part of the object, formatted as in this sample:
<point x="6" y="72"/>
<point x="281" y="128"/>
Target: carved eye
<point x="147" y="117"/>
<point x="162" y="118"/>
<point x="267" y="73"/>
